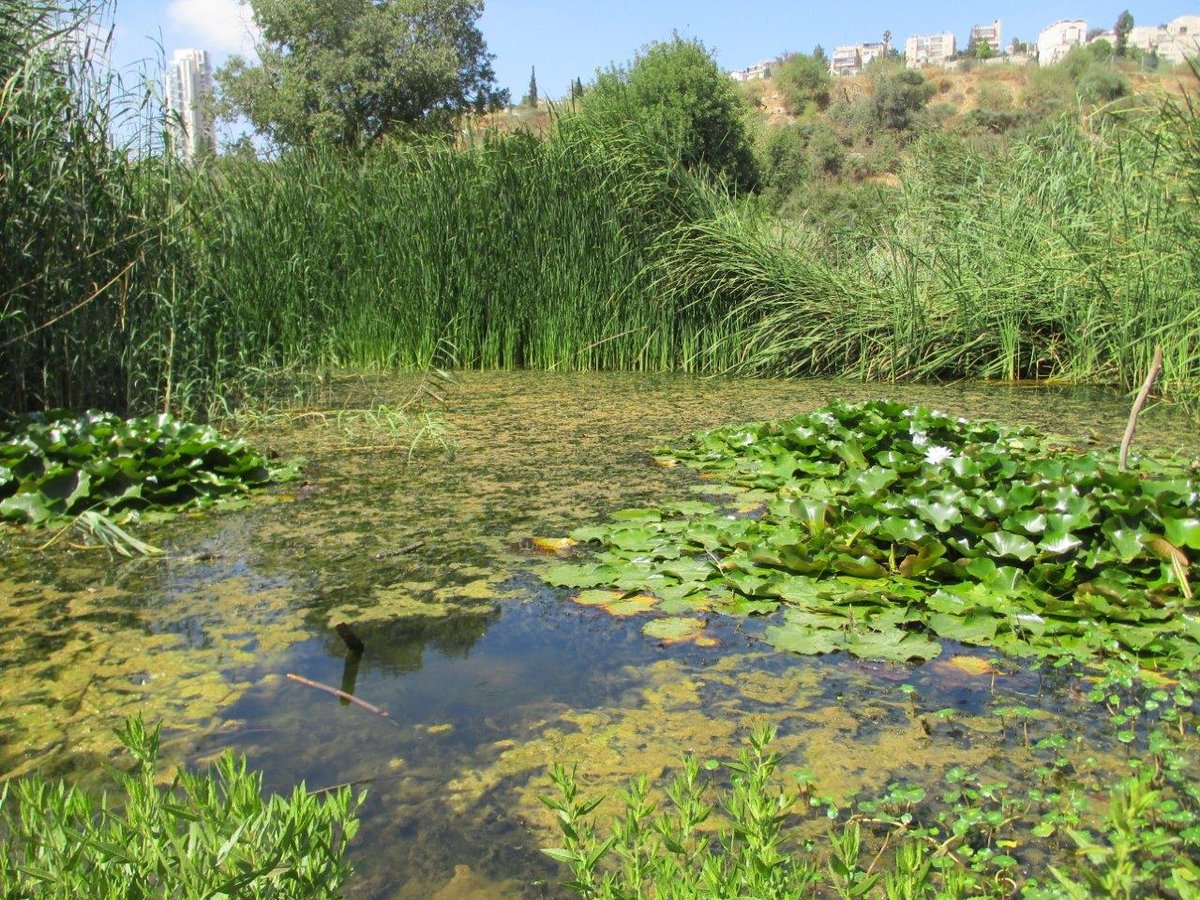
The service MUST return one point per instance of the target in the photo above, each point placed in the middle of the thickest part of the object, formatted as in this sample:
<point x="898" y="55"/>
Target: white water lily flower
<point x="919" y="438"/>
<point x="936" y="455"/>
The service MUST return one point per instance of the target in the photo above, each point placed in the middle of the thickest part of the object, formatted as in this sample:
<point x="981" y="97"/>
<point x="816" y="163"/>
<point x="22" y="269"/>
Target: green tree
<point x="899" y="96"/>
<point x="1121" y="30"/>
<point x="531" y="99"/>
<point x="677" y="89"/>
<point x="350" y="72"/>
<point x="804" y="80"/>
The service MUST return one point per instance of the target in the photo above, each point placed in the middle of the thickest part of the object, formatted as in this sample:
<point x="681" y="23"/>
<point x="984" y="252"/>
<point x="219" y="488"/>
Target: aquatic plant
<point x="202" y="835"/>
<point x="878" y="529"/>
<point x="95" y="467"/>
<point x="732" y="829"/>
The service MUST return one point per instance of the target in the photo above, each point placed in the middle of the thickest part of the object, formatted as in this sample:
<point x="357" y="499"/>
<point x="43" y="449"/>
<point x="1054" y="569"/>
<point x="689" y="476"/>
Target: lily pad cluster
<point x="879" y="529"/>
<point x="57" y="465"/>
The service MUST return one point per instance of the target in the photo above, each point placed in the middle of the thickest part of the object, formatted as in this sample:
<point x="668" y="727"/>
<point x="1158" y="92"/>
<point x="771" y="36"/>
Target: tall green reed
<point x="1056" y="257"/>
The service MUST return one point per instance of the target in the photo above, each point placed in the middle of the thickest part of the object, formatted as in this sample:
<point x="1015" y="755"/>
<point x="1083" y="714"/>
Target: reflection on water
<point x="486" y="674"/>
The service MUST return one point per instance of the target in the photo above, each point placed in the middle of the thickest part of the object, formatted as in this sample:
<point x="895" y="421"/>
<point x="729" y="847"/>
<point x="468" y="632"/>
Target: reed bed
<point x="135" y="284"/>
<point x="518" y="252"/>
<point x="1068" y="256"/>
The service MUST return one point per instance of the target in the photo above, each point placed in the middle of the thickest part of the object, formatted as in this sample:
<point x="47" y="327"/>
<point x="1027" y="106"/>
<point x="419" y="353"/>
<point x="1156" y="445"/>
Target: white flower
<point x="936" y="455"/>
<point x="919" y="438"/>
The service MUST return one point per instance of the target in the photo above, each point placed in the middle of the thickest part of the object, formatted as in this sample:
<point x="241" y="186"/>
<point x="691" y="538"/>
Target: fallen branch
<point x="369" y="707"/>
<point x="1155" y="368"/>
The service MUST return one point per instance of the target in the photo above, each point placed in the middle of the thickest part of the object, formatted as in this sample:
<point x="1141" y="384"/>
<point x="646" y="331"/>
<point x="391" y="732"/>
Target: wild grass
<point x="136" y="284"/>
<point x="1065" y="256"/>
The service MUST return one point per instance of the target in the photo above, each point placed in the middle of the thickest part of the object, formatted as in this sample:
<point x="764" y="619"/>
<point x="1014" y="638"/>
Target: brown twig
<point x="386" y="554"/>
<point x="369" y="707"/>
<point x="1155" y="368"/>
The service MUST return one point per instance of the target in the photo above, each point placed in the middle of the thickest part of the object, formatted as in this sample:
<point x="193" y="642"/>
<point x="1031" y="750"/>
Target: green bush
<point x="899" y="96"/>
<point x="204" y="835"/>
<point x="784" y="161"/>
<point x="805" y="82"/>
<point x="694" y="107"/>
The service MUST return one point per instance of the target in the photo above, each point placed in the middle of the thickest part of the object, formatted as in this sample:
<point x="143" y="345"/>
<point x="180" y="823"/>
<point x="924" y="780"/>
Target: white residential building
<point x="192" y="128"/>
<point x="928" y="49"/>
<point x="1174" y="42"/>
<point x="851" y="59"/>
<point x="1183" y="40"/>
<point x="759" y="70"/>
<point x="987" y="34"/>
<point x="1056" y="41"/>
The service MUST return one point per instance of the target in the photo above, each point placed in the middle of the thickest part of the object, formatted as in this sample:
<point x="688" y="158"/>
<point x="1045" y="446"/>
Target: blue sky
<point x="569" y="38"/>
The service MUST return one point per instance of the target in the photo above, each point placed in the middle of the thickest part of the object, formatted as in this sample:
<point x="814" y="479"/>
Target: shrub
<point x="204" y="835"/>
<point x="899" y="97"/>
<point x="677" y="87"/>
<point x="805" y="81"/>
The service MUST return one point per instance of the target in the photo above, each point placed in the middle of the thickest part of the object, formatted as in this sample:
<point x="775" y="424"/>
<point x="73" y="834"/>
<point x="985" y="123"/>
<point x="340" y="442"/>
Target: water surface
<point x="487" y="674"/>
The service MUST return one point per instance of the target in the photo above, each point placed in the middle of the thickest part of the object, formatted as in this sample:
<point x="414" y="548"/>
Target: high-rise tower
<point x="192" y="128"/>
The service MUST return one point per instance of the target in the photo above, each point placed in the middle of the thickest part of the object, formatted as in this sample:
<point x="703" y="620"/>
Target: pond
<point x="487" y="674"/>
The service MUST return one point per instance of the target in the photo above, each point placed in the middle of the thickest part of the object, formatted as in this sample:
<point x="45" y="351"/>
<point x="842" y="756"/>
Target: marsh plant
<point x="733" y="830"/>
<point x="884" y="531"/>
<point x="202" y="835"/>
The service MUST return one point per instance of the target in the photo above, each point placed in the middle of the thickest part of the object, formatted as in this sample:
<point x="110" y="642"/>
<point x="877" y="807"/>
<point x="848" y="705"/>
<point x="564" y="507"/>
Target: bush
<point x="805" y="81"/>
<point x="899" y="97"/>
<point x="784" y="161"/>
<point x="205" y="835"/>
<point x="679" y="90"/>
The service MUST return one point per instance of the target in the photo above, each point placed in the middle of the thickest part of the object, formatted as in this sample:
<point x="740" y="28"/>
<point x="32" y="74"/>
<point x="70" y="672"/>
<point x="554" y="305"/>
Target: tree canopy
<point x="350" y="72"/>
<point x="804" y="80"/>
<point x="677" y="88"/>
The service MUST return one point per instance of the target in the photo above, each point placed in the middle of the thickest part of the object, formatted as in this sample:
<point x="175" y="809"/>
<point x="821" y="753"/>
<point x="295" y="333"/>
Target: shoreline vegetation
<point x="1065" y="252"/>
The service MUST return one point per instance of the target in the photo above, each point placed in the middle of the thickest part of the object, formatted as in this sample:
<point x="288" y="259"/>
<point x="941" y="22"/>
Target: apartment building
<point x="928" y="49"/>
<point x="759" y="70"/>
<point x="191" y="126"/>
<point x="987" y="34"/>
<point x="1056" y="41"/>
<point x="851" y="59"/>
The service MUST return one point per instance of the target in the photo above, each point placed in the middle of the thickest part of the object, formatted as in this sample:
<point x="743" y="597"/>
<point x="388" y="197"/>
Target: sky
<point x="565" y="39"/>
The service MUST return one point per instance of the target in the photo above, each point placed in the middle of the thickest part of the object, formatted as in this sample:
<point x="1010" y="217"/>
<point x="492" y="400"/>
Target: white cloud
<point x="219" y="26"/>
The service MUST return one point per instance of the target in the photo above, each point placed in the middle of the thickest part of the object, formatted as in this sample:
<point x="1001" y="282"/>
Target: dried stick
<point x="369" y="707"/>
<point x="1155" y="368"/>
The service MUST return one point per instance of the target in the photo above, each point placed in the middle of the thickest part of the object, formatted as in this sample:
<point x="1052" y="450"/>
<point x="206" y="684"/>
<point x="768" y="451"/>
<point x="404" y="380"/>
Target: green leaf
<point x="1007" y="544"/>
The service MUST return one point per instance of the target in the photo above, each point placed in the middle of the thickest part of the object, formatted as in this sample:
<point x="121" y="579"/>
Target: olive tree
<point x="350" y="72"/>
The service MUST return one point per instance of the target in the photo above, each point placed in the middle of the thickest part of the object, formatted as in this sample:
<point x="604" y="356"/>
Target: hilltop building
<point x="191" y="127"/>
<point x="759" y="70"/>
<point x="987" y="34"/>
<point x="928" y="49"/>
<point x="851" y="59"/>
<point x="1174" y="42"/>
<point x="1057" y="40"/>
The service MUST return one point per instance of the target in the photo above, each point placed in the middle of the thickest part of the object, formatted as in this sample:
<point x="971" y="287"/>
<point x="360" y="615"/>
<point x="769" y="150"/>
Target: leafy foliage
<point x="804" y="80"/>
<point x="877" y="528"/>
<point x="353" y="72"/>
<point x="203" y="835"/>
<point x="671" y="848"/>
<point x="55" y="466"/>
<point x="677" y="90"/>
<point x="975" y="836"/>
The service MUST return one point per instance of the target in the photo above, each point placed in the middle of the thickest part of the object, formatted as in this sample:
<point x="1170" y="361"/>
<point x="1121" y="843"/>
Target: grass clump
<point x="202" y="835"/>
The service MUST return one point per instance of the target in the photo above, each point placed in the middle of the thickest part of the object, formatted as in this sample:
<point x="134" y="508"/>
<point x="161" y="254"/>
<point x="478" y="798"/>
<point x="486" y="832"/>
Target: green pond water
<point x="488" y="675"/>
